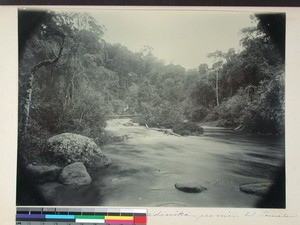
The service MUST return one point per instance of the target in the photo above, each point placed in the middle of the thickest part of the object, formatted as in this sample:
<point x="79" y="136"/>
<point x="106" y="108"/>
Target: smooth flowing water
<point x="146" y="166"/>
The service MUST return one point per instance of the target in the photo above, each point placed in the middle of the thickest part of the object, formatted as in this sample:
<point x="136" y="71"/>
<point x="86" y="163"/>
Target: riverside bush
<point x="187" y="128"/>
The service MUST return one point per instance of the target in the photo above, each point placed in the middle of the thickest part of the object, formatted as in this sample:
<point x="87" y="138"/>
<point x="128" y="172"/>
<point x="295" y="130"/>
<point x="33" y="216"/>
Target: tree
<point x="233" y="76"/>
<point x="31" y="78"/>
<point x="41" y="48"/>
<point x="216" y="67"/>
<point x="251" y="85"/>
<point x="202" y="69"/>
<point x="62" y="81"/>
<point x="273" y="25"/>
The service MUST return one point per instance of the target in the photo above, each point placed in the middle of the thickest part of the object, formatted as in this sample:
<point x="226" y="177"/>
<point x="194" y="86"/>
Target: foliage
<point x="230" y="111"/>
<point x="266" y="111"/>
<point x="62" y="69"/>
<point x="198" y="114"/>
<point x="251" y="86"/>
<point x="187" y="128"/>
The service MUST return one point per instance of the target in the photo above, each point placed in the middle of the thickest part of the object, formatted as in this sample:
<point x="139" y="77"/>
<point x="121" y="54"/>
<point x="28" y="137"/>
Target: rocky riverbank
<point x="69" y="159"/>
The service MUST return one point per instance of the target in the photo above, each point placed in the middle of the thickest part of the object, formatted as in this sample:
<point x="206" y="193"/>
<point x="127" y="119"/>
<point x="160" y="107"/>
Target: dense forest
<point x="72" y="80"/>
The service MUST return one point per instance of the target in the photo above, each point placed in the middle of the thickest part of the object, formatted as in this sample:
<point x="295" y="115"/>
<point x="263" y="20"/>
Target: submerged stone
<point x="190" y="187"/>
<point x="256" y="189"/>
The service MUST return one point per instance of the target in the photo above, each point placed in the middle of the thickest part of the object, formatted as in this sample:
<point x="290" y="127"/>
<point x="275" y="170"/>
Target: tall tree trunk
<point x="28" y="101"/>
<point x="217" y="88"/>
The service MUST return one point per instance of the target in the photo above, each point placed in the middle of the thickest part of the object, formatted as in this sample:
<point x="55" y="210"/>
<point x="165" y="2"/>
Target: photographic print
<point x="151" y="108"/>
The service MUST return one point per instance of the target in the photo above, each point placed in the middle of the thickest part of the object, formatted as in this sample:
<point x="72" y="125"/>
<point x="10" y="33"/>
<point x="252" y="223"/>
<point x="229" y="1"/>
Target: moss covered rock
<point x="67" y="148"/>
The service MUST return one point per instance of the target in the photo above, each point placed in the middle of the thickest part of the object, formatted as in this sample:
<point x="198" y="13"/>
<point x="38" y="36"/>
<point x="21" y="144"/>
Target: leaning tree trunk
<point x="23" y="154"/>
<point x="29" y="91"/>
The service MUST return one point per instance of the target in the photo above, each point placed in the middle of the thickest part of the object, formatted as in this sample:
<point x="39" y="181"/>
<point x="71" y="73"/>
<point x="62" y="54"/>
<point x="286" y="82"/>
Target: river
<point x="146" y="166"/>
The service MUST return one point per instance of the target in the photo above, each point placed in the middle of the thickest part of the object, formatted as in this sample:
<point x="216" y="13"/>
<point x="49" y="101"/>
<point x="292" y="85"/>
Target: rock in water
<point x="67" y="148"/>
<point x="75" y="174"/>
<point x="128" y="124"/>
<point x="259" y="189"/>
<point x="190" y="187"/>
<point x="43" y="174"/>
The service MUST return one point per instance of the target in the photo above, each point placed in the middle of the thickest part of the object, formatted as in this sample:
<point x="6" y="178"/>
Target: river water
<point x="146" y="166"/>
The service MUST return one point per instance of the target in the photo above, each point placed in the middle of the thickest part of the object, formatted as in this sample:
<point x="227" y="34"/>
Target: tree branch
<point x="48" y="62"/>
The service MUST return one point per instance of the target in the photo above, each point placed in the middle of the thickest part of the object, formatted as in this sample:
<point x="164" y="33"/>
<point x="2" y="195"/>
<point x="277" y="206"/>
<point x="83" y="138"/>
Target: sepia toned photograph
<point x="151" y="108"/>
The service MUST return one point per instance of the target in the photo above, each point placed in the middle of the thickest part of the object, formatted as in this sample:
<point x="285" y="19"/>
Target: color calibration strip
<point x="84" y="216"/>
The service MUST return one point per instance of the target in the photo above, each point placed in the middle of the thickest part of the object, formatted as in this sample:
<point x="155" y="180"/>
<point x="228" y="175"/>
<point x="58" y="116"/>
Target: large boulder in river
<point x="189" y="187"/>
<point x="75" y="174"/>
<point x="67" y="148"/>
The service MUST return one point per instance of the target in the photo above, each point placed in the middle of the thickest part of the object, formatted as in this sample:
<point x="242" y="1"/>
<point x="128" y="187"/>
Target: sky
<point x="178" y="37"/>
